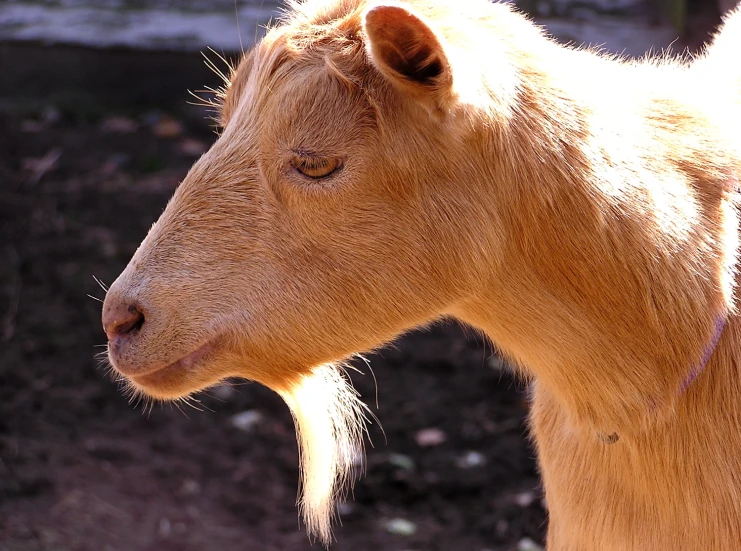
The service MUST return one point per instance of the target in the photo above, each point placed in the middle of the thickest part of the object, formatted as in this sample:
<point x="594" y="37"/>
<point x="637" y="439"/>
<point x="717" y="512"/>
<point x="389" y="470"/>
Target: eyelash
<point x="315" y="167"/>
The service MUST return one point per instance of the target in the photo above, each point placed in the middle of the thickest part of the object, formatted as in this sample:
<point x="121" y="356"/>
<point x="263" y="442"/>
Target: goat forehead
<point x="304" y="107"/>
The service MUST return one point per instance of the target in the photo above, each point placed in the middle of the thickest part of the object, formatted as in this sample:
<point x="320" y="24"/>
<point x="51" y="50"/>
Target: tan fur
<point x="581" y="210"/>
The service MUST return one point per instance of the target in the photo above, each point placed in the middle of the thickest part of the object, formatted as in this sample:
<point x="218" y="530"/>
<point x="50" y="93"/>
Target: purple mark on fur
<point x="700" y="367"/>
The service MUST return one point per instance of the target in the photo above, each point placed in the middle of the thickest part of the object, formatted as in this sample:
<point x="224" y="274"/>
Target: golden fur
<point x="579" y="209"/>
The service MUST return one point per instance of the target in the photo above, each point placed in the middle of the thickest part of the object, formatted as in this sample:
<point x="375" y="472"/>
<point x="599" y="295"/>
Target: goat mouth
<point x="180" y="368"/>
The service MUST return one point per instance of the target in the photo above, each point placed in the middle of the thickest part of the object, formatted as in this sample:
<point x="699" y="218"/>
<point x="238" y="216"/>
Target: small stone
<point x="247" y="420"/>
<point x="401" y="527"/>
<point x="167" y="127"/>
<point x="402" y="461"/>
<point x="113" y="164"/>
<point x="190" y="147"/>
<point x="431" y="478"/>
<point x="164" y="528"/>
<point x="190" y="487"/>
<point x="525" y="499"/>
<point x="526" y="544"/>
<point x="32" y="127"/>
<point x="180" y="528"/>
<point x="119" y="125"/>
<point x="470" y="459"/>
<point x="38" y="166"/>
<point x="222" y="392"/>
<point x="427" y="438"/>
<point x="51" y="115"/>
<point x="345" y="509"/>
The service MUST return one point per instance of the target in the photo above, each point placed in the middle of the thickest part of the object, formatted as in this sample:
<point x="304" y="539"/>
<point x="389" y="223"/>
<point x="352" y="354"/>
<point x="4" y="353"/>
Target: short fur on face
<point x="385" y="164"/>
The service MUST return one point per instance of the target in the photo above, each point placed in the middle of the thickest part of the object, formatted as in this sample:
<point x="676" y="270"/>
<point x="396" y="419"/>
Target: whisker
<point x="233" y="383"/>
<point x="206" y="102"/>
<point x="195" y="93"/>
<point x="239" y="32"/>
<point x="211" y="65"/>
<point x="177" y="405"/>
<point x="366" y="361"/>
<point x="222" y="58"/>
<point x="217" y="91"/>
<point x="366" y="409"/>
<point x="95" y="298"/>
<point x="99" y="282"/>
<point x="134" y="398"/>
<point x="189" y="400"/>
<point x="213" y="397"/>
<point x="257" y="22"/>
<point x="212" y="105"/>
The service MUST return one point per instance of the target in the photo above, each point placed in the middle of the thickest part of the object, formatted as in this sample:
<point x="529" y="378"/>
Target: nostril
<point x="134" y="323"/>
<point x="124" y="322"/>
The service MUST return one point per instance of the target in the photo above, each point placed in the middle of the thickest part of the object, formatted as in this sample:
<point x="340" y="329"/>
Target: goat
<point x="386" y="164"/>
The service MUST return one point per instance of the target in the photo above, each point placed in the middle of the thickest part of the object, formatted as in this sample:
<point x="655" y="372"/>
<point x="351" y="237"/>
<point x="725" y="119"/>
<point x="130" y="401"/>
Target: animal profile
<point x="385" y="164"/>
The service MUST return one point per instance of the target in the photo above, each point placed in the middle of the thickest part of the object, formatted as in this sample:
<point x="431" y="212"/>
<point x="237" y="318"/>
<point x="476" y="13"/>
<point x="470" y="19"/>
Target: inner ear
<point x="402" y="45"/>
<point x="414" y="59"/>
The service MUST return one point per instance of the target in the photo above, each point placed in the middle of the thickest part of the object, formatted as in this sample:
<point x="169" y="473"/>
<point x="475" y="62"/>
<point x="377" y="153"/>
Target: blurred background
<point x="96" y="131"/>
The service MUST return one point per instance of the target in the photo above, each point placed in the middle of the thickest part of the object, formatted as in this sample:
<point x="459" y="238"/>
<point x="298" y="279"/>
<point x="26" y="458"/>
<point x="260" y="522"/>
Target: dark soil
<point x="81" y="469"/>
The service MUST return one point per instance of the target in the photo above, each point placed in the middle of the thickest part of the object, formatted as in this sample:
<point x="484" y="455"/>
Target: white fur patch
<point x="330" y="423"/>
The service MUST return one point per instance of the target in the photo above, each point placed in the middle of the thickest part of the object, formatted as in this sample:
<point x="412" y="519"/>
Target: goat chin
<point x="330" y="423"/>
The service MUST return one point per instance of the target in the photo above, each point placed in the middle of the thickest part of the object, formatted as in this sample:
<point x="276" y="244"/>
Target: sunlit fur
<point x="330" y="424"/>
<point x="579" y="209"/>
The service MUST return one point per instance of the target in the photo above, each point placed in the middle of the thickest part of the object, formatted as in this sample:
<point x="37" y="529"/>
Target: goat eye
<point x="315" y="167"/>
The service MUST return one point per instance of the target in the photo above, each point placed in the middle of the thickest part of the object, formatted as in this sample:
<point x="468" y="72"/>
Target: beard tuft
<point x="330" y="423"/>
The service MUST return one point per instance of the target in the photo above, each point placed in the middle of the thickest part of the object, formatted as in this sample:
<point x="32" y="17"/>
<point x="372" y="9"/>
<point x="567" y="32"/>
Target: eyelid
<point x="314" y="166"/>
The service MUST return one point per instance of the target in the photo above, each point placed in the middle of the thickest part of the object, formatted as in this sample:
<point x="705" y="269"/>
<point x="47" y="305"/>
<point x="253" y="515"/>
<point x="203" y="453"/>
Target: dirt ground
<point x="81" y="469"/>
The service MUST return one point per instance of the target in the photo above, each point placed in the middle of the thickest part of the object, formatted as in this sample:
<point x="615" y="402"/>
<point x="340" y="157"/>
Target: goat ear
<point x="408" y="52"/>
